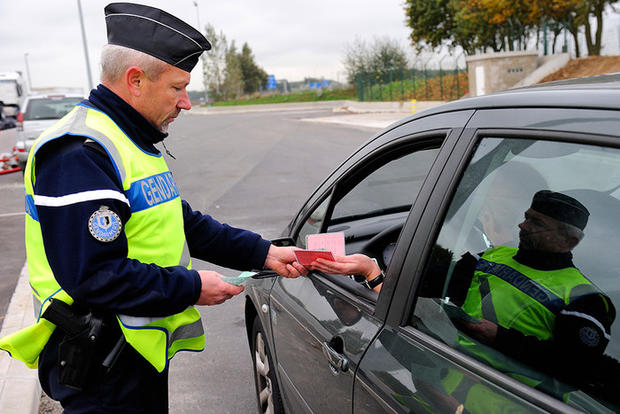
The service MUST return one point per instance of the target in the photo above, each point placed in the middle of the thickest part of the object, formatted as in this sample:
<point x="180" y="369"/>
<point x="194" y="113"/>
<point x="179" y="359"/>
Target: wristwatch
<point x="371" y="284"/>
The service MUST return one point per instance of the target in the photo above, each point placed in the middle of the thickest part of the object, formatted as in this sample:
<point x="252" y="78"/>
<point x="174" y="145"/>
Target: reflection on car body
<point x="418" y="196"/>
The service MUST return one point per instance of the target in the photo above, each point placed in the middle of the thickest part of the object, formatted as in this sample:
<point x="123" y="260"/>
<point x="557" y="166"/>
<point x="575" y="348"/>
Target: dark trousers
<point x="131" y="386"/>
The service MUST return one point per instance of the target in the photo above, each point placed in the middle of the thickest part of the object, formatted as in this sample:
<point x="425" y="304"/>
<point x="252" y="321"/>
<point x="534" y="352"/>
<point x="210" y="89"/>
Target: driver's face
<point x="540" y="232"/>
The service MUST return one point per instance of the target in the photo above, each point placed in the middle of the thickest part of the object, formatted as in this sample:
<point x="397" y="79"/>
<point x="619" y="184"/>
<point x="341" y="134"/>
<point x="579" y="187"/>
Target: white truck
<point x="12" y="92"/>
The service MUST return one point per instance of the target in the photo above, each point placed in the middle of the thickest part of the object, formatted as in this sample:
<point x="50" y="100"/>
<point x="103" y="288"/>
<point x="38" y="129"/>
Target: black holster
<point x="80" y="352"/>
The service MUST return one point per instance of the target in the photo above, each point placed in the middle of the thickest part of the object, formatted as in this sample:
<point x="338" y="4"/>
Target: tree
<point x="214" y="62"/>
<point x="431" y="22"/>
<point x="383" y="55"/>
<point x="233" y="79"/>
<point x="356" y="58"/>
<point x="502" y="24"/>
<point x="594" y="8"/>
<point x="254" y="77"/>
<point x="227" y="72"/>
<point x="387" y="54"/>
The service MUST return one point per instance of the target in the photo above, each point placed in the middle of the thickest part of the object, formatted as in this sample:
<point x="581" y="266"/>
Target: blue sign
<point x="271" y="82"/>
<point x="325" y="83"/>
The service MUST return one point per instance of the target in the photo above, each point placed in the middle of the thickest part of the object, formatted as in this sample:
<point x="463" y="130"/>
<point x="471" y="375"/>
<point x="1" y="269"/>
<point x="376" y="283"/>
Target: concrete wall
<point x="492" y="72"/>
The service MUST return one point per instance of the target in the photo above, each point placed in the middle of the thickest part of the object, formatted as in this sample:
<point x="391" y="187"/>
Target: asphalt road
<point x="250" y="170"/>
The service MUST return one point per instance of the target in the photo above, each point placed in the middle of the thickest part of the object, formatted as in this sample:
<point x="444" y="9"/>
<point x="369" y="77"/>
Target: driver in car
<point x="531" y="302"/>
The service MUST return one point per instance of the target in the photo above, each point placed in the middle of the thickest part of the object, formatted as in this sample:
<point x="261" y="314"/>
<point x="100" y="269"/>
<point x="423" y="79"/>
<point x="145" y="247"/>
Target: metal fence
<point x="406" y="84"/>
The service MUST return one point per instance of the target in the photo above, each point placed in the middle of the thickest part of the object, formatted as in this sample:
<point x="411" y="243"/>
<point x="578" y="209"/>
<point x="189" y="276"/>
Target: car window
<point x="376" y="195"/>
<point x="389" y="188"/>
<point x="313" y="223"/>
<point x="524" y="275"/>
<point x="49" y="108"/>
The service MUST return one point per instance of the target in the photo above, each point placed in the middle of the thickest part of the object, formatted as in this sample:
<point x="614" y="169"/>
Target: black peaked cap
<point x="561" y="207"/>
<point x="155" y="32"/>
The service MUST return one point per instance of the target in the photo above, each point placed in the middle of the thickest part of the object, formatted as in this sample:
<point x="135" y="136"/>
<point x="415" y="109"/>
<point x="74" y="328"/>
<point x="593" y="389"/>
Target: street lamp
<point x="90" y="79"/>
<point x="197" y="15"/>
<point x="28" y="72"/>
<point x="204" y="83"/>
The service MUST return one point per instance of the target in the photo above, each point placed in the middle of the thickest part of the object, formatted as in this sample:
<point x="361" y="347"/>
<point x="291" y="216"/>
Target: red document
<point x="306" y="257"/>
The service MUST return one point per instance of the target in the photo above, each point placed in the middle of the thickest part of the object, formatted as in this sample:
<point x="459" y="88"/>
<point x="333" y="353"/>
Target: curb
<point x="20" y="392"/>
<point x="293" y="106"/>
<point x="336" y="106"/>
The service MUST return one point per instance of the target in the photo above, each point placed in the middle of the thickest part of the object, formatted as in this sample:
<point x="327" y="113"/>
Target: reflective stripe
<point x="185" y="256"/>
<point x="488" y="310"/>
<point x="193" y="330"/>
<point x="76" y="125"/>
<point x="136" y="321"/>
<point x="69" y="199"/>
<point x="31" y="209"/>
<point x="37" y="306"/>
<point x="523" y="283"/>
<point x="589" y="318"/>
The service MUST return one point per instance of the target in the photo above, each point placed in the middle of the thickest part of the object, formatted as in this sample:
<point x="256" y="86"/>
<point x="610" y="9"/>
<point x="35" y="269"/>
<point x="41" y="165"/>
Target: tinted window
<point x="49" y="108"/>
<point x="526" y="280"/>
<point x="391" y="187"/>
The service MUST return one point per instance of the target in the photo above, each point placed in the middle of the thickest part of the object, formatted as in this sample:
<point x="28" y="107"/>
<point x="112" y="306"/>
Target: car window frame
<point x="353" y="176"/>
<point x="421" y="244"/>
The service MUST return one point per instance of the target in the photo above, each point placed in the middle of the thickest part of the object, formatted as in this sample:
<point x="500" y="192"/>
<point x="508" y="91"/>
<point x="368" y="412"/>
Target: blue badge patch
<point x="104" y="224"/>
<point x="589" y="336"/>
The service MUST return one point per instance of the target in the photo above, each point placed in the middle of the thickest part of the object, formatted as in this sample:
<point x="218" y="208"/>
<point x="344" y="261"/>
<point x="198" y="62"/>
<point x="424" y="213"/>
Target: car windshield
<point x="50" y="108"/>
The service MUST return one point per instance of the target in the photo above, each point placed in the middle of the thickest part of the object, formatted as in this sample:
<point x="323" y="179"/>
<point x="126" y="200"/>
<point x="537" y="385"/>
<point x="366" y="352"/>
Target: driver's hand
<point x="355" y="264"/>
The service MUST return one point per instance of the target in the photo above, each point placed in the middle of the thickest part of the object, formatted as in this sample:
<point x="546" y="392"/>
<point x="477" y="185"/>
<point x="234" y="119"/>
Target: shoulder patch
<point x="589" y="336"/>
<point x="104" y="224"/>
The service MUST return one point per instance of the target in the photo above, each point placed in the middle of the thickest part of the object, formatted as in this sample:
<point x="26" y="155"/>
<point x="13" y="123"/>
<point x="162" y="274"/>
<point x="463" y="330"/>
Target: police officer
<point x="108" y="238"/>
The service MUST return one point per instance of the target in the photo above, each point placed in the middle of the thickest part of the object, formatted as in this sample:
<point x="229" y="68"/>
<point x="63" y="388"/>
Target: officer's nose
<point x="184" y="102"/>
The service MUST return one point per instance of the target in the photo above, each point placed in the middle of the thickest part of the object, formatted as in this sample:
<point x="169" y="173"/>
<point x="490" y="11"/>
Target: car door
<point x="321" y="324"/>
<point x="418" y="361"/>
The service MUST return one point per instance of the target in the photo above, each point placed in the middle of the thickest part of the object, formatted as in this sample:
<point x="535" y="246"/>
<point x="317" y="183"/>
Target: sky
<point x="290" y="39"/>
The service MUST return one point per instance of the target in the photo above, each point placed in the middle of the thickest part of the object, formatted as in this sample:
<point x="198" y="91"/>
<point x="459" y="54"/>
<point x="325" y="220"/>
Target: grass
<point x="446" y="88"/>
<point x="329" y="95"/>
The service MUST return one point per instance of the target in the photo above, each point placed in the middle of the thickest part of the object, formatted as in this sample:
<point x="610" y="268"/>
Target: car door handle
<point x="337" y="361"/>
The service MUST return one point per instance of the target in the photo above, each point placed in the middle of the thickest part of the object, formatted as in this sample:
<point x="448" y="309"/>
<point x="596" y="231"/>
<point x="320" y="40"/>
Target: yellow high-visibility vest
<point x="154" y="235"/>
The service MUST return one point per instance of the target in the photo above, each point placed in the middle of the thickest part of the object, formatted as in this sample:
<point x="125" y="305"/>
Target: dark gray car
<point x="418" y="197"/>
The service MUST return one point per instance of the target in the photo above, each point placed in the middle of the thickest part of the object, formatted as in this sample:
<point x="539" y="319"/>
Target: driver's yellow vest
<point x="519" y="297"/>
<point x="154" y="234"/>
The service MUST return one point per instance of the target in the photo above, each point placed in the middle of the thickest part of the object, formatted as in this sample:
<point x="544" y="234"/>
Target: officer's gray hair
<point x="115" y="60"/>
<point x="570" y="231"/>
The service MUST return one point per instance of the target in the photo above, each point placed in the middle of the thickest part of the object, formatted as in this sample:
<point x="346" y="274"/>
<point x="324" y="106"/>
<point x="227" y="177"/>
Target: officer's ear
<point x="134" y="80"/>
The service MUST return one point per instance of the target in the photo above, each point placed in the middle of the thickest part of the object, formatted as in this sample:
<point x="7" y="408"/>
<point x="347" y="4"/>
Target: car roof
<point x="55" y="95"/>
<point x="595" y="92"/>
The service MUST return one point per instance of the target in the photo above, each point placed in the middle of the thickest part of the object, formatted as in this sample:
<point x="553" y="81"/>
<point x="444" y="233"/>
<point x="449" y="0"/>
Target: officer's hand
<point x="214" y="290"/>
<point x="283" y="261"/>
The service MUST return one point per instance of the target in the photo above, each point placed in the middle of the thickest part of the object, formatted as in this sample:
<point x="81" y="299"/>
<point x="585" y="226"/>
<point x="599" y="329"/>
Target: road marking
<point x="12" y="214"/>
